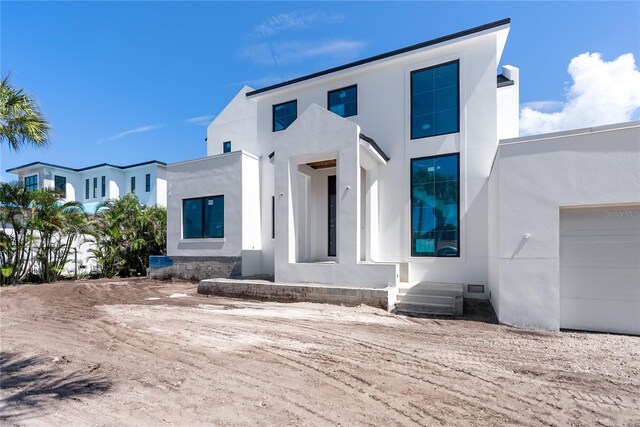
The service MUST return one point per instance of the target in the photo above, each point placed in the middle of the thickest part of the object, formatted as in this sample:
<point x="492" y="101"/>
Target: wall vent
<point x="475" y="289"/>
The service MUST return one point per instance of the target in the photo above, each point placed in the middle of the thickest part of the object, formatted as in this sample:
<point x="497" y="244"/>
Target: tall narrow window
<point x="284" y="114"/>
<point x="31" y="182"/>
<point x="104" y="186"/>
<point x="332" y="203"/>
<point x="226" y="147"/>
<point x="95" y="187"/>
<point x="203" y="217"/>
<point x="86" y="188"/>
<point x="435" y="100"/>
<point x="343" y="102"/>
<point x="60" y="183"/>
<point x="133" y="184"/>
<point x="435" y="202"/>
<point x="273" y="217"/>
<point x="147" y="182"/>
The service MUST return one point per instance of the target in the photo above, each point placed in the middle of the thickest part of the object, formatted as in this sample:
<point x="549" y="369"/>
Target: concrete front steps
<point x="430" y="298"/>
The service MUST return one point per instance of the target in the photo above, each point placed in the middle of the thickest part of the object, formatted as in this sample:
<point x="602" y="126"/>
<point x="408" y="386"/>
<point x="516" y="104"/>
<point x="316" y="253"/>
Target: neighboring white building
<point x="95" y="184"/>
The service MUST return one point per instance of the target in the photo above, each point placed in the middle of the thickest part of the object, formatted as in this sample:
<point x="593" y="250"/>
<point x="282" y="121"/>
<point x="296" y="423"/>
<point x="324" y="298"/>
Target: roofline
<point x="87" y="168"/>
<point x="392" y="53"/>
<point x="375" y="146"/>
<point x="572" y="132"/>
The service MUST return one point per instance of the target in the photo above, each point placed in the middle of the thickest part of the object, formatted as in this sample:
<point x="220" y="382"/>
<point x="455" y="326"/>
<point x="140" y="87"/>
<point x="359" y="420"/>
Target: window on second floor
<point x="226" y="147"/>
<point x="31" y="182"/>
<point x="343" y="102"/>
<point x="284" y="114"/>
<point x="147" y="182"/>
<point x="133" y="184"/>
<point x="95" y="187"/>
<point x="104" y="186"/>
<point x="86" y="188"/>
<point x="435" y="100"/>
<point x="60" y="183"/>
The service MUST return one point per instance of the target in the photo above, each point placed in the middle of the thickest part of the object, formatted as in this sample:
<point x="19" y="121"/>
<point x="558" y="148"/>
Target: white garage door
<point x="600" y="269"/>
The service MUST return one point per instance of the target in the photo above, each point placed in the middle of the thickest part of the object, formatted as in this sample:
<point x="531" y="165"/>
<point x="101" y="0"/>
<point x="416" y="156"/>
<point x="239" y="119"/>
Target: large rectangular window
<point x="104" y="186"/>
<point x="86" y="188"/>
<point x="60" y="183"/>
<point x="31" y="182"/>
<point x="284" y="114"/>
<point x="435" y="206"/>
<point x="95" y="187"/>
<point x="147" y="182"/>
<point x="203" y="217"/>
<point x="435" y="100"/>
<point x="343" y="102"/>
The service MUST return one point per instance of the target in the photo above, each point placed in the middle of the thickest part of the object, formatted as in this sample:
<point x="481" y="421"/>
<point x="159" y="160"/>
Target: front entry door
<point x="332" y="215"/>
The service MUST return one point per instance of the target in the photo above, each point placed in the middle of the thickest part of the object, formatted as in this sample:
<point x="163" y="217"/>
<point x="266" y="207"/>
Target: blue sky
<point x="125" y="82"/>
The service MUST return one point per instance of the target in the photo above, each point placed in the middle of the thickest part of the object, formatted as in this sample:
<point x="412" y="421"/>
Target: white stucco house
<point x="94" y="184"/>
<point x="399" y="180"/>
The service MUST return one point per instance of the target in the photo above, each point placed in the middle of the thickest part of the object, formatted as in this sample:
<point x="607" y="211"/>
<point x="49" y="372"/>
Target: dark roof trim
<point x="273" y="153"/>
<point x="504" y="81"/>
<point x="384" y="55"/>
<point x="88" y="167"/>
<point x="375" y="146"/>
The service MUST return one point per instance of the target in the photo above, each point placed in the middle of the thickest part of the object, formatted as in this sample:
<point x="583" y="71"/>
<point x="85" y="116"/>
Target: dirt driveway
<point x="154" y="353"/>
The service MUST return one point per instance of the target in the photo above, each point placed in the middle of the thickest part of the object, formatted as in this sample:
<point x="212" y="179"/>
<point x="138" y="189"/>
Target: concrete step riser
<point x="426" y="291"/>
<point x="425" y="308"/>
<point x="426" y="299"/>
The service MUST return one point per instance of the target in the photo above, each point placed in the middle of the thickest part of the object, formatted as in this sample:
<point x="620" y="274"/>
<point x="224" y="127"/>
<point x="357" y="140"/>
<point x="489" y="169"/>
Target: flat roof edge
<point x="389" y="54"/>
<point x="571" y="132"/>
<point x="10" y="170"/>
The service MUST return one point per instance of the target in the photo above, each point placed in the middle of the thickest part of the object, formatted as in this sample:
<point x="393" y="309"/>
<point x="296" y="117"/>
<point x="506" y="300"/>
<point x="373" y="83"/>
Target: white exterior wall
<point x="235" y="176"/>
<point x="533" y="178"/>
<point x="235" y="123"/>
<point x="509" y="105"/>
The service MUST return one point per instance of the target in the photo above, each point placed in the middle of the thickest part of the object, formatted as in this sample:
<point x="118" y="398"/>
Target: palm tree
<point x="21" y="121"/>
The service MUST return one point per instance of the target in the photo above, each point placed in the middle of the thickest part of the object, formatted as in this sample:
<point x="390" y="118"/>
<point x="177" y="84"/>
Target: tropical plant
<point x="126" y="234"/>
<point x="21" y="121"/>
<point x="59" y="225"/>
<point x="16" y="232"/>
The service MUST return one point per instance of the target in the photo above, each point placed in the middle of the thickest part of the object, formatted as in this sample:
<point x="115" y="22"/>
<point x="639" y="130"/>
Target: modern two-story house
<point x="380" y="181"/>
<point x="94" y="184"/>
<point x="367" y="174"/>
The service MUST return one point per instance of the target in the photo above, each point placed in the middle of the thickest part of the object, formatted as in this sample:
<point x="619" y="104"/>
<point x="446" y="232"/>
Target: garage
<point x="600" y="269"/>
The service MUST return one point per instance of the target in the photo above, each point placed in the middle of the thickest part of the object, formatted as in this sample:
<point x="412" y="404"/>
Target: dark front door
<point x="332" y="215"/>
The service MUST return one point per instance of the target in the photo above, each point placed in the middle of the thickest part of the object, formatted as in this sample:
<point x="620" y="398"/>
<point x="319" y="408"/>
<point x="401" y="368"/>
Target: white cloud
<point x="292" y="21"/>
<point x="277" y="53"/>
<point x="140" y="129"/>
<point x="543" y="105"/>
<point x="206" y="119"/>
<point x="601" y="92"/>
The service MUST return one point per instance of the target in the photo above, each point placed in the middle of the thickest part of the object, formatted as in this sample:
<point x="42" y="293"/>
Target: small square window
<point x="226" y="147"/>
<point x="31" y="182"/>
<point x="284" y="114"/>
<point x="343" y="102"/>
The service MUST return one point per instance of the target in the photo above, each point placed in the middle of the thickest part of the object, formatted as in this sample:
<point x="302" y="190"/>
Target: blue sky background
<point x="125" y="82"/>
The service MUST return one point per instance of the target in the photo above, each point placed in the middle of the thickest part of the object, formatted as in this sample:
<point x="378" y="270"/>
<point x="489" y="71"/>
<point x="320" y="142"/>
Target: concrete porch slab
<point x="299" y="292"/>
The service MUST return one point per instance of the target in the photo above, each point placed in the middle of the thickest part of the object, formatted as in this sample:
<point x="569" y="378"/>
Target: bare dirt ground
<point x="155" y="353"/>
